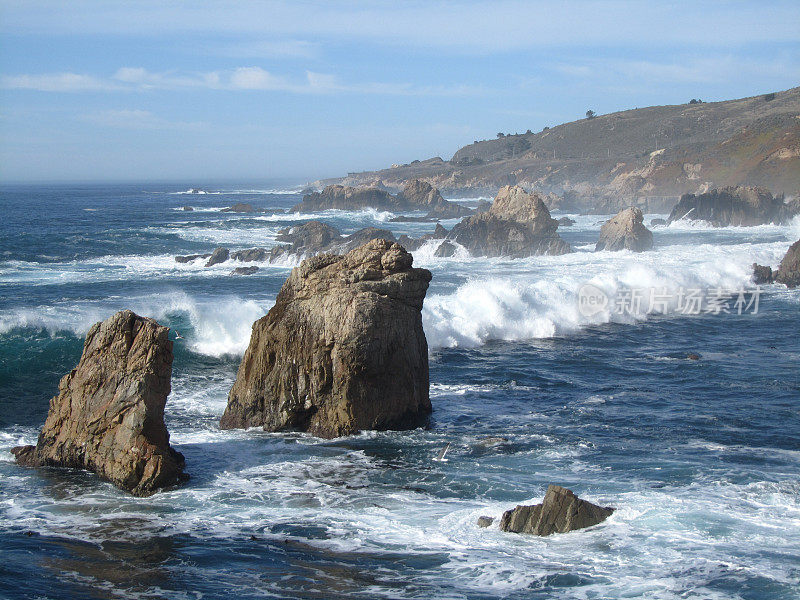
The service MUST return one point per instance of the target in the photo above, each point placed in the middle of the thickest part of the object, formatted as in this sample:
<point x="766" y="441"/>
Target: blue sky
<point x="193" y="91"/>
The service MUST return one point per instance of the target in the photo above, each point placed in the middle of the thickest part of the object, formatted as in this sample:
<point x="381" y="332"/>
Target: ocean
<point x="701" y="458"/>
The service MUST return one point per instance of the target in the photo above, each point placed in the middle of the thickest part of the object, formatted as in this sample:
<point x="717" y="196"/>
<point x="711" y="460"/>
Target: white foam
<point x="218" y="326"/>
<point x="540" y="298"/>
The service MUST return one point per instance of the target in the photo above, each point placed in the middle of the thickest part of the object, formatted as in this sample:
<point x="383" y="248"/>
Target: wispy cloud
<point x="685" y="70"/>
<point x="137" y="119"/>
<point x="238" y="79"/>
<point x="58" y="82"/>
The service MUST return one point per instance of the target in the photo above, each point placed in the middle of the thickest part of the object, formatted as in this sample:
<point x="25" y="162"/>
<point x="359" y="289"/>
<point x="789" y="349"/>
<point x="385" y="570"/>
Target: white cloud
<point x="136" y="119"/>
<point x="684" y="70"/>
<point x="57" y="82"/>
<point x="241" y="79"/>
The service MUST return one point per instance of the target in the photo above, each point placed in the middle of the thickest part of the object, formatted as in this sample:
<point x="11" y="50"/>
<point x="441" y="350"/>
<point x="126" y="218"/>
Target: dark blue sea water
<point x="700" y="457"/>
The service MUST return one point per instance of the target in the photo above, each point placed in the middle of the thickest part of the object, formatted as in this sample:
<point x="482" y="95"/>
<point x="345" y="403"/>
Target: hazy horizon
<point x="301" y="91"/>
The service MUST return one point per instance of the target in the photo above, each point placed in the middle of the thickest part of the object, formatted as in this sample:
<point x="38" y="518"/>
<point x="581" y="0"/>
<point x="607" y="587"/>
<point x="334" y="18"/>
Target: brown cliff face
<point x="108" y="416"/>
<point x="342" y="350"/>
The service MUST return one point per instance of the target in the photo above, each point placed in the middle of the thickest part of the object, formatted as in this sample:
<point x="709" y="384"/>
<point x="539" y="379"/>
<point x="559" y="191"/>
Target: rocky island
<point x="108" y="416"/>
<point x="341" y="351"/>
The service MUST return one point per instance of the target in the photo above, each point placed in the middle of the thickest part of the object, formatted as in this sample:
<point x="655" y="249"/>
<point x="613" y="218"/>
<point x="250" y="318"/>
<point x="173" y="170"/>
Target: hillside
<point x="645" y="156"/>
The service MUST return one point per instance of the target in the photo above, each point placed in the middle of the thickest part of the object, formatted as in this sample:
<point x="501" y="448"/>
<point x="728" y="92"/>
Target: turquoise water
<point x="701" y="458"/>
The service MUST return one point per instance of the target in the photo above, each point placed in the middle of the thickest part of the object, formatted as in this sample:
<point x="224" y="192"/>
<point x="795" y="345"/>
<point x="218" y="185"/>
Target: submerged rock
<point x="245" y="270"/>
<point x="560" y="512"/>
<point x="658" y="222"/>
<point x="625" y="231"/>
<point x="342" y="350"/>
<point x="517" y="225"/>
<point x="737" y="206"/>
<point x="566" y="222"/>
<point x="108" y="416"/>
<point x="187" y="208"/>
<point x="485" y="521"/>
<point x="240" y="207"/>
<point x="190" y="257"/>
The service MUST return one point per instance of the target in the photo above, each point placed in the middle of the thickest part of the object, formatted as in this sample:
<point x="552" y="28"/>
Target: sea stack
<point x="108" y="416"/>
<point x="625" y="231"/>
<point x="341" y="351"/>
<point x="560" y="512"/>
<point x="517" y="225"/>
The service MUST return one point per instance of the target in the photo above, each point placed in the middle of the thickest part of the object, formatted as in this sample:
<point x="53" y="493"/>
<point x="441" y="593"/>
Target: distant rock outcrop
<point x="416" y="195"/>
<point x="421" y="194"/>
<point x="240" y="207"/>
<point x="341" y="197"/>
<point x="733" y="206"/>
<point x="309" y="239"/>
<point x="560" y="512"/>
<point x="625" y="231"/>
<point x="342" y="350"/>
<point x="108" y="416"/>
<point x="517" y="225"/>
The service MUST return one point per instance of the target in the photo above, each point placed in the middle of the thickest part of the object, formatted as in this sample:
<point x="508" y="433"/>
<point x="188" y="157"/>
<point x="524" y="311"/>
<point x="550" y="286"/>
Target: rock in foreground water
<point x="342" y="350"/>
<point x="560" y="512"/>
<point x="625" y="231"/>
<point x="108" y="416"/>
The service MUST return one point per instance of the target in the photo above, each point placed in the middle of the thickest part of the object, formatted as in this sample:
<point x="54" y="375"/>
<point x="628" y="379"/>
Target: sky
<point x="204" y="90"/>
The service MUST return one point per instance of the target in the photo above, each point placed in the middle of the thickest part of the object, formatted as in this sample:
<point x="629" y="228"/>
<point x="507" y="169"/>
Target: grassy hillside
<point x="645" y="156"/>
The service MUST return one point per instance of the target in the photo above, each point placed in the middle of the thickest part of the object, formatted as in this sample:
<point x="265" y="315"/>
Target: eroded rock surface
<point x="342" y="350"/>
<point x="560" y="512"/>
<point x="108" y="416"/>
<point x="737" y="206"/>
<point x="517" y="225"/>
<point x="625" y="231"/>
<point x="788" y="272"/>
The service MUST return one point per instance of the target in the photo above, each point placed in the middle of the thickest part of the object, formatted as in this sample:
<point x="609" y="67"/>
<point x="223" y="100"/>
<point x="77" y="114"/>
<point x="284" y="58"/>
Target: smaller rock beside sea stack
<point x="625" y="231"/>
<point x="560" y="512"/>
<point x="108" y="416"/>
